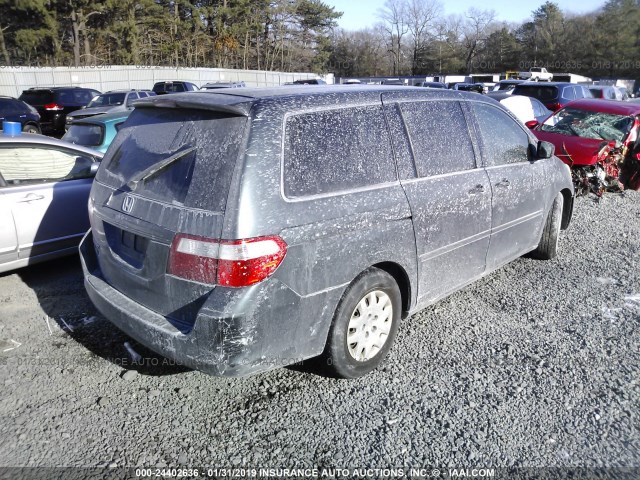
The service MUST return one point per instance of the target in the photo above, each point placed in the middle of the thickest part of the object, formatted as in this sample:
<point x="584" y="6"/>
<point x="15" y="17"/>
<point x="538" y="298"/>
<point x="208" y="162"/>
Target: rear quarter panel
<point x="331" y="239"/>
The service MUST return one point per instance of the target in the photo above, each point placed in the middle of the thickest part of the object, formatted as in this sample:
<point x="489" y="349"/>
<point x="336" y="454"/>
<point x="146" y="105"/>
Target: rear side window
<point x="37" y="97"/>
<point x="178" y="156"/>
<point x="336" y="150"/>
<point x="20" y="165"/>
<point x="131" y="98"/>
<point x="568" y="93"/>
<point x="502" y="140"/>
<point x="440" y="137"/>
<point x="8" y="106"/>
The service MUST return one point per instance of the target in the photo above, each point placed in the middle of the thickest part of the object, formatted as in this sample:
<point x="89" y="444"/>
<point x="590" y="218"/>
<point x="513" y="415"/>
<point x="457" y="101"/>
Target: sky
<point x="360" y="14"/>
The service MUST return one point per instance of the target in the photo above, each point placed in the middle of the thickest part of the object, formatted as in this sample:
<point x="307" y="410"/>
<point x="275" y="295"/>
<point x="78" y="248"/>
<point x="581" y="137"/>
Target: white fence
<point x="112" y="77"/>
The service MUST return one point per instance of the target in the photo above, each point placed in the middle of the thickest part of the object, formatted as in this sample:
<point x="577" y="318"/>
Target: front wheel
<point x="364" y="325"/>
<point x="548" y="246"/>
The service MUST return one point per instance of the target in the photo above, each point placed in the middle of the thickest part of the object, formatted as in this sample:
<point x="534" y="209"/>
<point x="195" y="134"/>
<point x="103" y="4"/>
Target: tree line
<point x="281" y="35"/>
<point x="411" y="37"/>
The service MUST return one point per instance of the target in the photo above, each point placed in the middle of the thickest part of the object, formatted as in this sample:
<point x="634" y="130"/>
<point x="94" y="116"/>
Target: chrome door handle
<point x="477" y="189"/>
<point x="30" y="197"/>
<point x="503" y="183"/>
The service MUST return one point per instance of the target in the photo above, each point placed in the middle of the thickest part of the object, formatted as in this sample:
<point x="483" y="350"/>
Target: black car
<point x="162" y="88"/>
<point x="431" y="85"/>
<point x="54" y="103"/>
<point x="469" y="87"/>
<point x="14" y="110"/>
<point x="309" y="81"/>
<point x="554" y="95"/>
<point x="217" y="85"/>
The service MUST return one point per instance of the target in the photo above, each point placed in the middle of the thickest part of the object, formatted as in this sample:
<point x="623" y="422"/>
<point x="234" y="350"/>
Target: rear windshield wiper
<point x="157" y="168"/>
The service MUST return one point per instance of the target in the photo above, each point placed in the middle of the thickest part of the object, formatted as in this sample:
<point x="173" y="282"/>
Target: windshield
<point x="107" y="100"/>
<point x="84" y="134"/>
<point x="582" y="123"/>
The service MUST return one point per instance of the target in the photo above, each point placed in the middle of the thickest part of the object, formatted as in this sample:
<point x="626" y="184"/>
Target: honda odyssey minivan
<point x="240" y="230"/>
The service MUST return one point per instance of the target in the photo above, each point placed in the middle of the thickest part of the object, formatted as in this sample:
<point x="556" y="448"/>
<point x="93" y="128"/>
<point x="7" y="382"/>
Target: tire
<point x="31" y="129"/>
<point x="548" y="246"/>
<point x="369" y="310"/>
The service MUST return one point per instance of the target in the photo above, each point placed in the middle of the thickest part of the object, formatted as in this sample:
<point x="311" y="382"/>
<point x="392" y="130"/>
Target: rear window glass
<point x="543" y="94"/>
<point x="201" y="148"/>
<point x="336" y="150"/>
<point x="37" y="97"/>
<point x="84" y="134"/>
<point x="107" y="100"/>
<point x="439" y="136"/>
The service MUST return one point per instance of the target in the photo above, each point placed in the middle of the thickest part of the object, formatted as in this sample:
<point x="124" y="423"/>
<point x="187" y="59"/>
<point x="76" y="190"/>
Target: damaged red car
<point x="599" y="140"/>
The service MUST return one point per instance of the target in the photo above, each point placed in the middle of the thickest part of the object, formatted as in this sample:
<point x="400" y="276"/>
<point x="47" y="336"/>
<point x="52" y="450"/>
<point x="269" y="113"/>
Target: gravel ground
<point x="535" y="365"/>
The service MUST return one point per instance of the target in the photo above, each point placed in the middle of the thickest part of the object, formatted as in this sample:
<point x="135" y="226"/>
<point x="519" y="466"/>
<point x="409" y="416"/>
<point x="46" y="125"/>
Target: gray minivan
<point x="241" y="230"/>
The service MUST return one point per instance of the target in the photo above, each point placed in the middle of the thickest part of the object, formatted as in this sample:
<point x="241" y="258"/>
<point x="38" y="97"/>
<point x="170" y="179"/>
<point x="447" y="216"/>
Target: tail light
<point x="553" y="106"/>
<point x="233" y="263"/>
<point x="53" y="106"/>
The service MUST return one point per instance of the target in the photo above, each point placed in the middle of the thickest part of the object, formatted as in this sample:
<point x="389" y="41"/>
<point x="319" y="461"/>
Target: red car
<point x="599" y="140"/>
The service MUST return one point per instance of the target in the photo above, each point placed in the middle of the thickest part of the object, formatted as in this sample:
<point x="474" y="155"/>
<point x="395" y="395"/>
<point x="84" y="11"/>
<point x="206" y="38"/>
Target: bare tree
<point x="477" y="28"/>
<point x="393" y="16"/>
<point x="420" y="18"/>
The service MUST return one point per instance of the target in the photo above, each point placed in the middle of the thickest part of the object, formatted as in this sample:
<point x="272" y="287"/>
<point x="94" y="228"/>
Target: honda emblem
<point x="127" y="203"/>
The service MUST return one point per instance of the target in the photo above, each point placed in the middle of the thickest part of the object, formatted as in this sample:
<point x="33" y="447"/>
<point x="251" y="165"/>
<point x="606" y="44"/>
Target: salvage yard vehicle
<point x="109" y="102"/>
<point x="54" y="103"/>
<point x="97" y="131"/>
<point x="536" y="74"/>
<point x="524" y="108"/>
<point x="44" y="188"/>
<point x="506" y="86"/>
<point x="553" y="95"/>
<point x="14" y="110"/>
<point x="166" y="87"/>
<point x="599" y="140"/>
<point x="262" y="227"/>
<point x="605" y="92"/>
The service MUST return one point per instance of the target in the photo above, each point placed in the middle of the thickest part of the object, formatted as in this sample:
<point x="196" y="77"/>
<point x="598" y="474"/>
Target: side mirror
<point x="545" y="149"/>
<point x="531" y="124"/>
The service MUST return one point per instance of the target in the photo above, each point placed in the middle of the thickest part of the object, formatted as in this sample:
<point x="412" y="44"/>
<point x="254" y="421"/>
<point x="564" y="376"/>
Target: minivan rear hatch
<point x="167" y="172"/>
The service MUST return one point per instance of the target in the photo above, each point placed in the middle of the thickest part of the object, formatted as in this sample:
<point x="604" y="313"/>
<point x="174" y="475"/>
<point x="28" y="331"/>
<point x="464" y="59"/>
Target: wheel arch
<point x="567" y="208"/>
<point x="401" y="277"/>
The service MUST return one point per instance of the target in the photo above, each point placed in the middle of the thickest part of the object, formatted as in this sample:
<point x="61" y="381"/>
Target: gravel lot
<point x="536" y="365"/>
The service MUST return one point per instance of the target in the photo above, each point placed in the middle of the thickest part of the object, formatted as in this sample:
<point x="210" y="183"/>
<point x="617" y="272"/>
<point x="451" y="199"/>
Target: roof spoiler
<point x="213" y="102"/>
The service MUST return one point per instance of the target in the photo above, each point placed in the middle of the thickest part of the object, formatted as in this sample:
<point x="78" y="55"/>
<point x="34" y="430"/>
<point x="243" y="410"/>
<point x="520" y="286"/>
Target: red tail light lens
<point x="236" y="263"/>
<point x="53" y="106"/>
<point x="553" y="106"/>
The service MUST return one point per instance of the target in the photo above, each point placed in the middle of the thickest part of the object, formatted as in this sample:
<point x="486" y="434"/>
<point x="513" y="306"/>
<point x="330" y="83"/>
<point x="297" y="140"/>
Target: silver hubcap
<point x="369" y="326"/>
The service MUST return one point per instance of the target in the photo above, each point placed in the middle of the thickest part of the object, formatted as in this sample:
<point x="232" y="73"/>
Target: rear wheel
<point x="548" y="246"/>
<point x="364" y="325"/>
<point x="31" y="129"/>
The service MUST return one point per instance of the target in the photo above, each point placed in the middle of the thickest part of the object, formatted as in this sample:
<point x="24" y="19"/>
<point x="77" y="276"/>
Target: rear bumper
<point x="237" y="332"/>
<point x="52" y="122"/>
